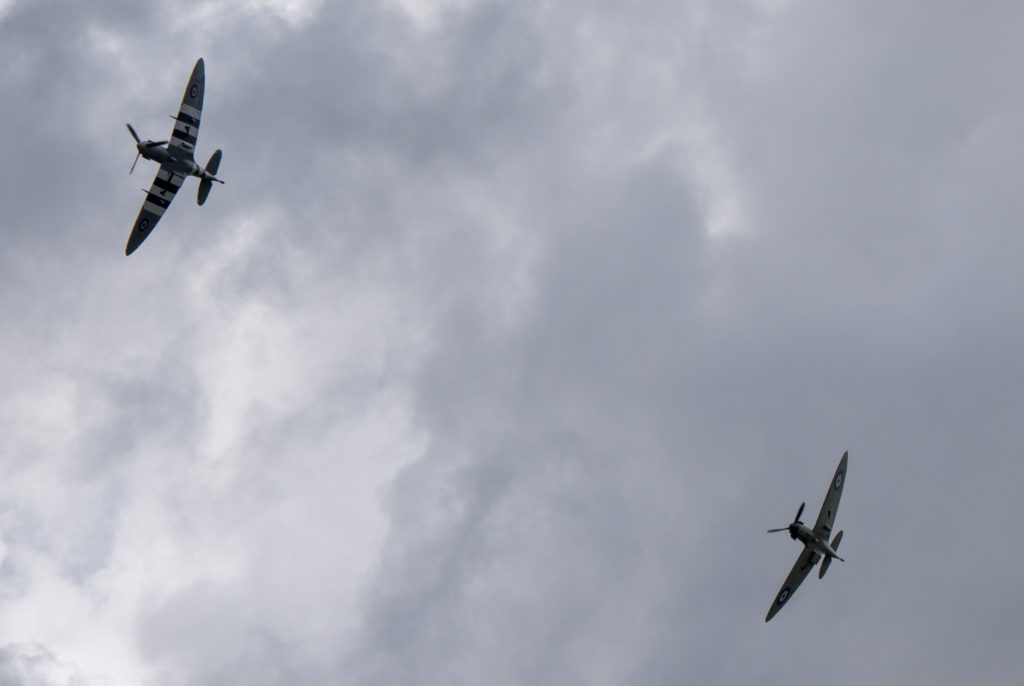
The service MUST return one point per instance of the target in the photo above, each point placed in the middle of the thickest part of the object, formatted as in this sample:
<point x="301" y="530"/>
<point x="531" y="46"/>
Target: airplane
<point x="176" y="160"/>
<point x="816" y="545"/>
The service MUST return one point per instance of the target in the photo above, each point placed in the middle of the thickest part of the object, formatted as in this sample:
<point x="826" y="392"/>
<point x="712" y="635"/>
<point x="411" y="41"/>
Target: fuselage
<point x="179" y="164"/>
<point x="799" y="532"/>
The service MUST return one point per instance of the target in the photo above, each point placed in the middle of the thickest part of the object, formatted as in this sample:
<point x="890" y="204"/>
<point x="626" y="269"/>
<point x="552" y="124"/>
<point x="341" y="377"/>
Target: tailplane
<point x="828" y="558"/>
<point x="207" y="183"/>
<point x="204" y="190"/>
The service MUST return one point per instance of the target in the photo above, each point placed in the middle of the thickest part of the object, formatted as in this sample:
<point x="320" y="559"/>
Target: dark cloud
<point x="510" y="333"/>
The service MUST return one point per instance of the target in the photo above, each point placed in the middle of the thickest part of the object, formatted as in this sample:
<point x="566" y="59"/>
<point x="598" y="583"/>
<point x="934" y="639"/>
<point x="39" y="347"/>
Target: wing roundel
<point x="808" y="558"/>
<point x="159" y="197"/>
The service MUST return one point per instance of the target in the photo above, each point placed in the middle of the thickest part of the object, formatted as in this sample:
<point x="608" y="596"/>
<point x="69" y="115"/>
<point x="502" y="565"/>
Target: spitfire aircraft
<point x="816" y="545"/>
<point x="176" y="160"/>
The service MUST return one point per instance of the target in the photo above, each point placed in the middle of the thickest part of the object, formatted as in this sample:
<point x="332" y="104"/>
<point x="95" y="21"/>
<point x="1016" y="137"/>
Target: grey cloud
<point x="33" y="665"/>
<point x="232" y="648"/>
<point x="481" y="251"/>
<point x="840" y="326"/>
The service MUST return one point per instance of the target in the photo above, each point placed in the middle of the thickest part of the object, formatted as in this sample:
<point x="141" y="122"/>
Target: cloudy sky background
<point x="513" y="329"/>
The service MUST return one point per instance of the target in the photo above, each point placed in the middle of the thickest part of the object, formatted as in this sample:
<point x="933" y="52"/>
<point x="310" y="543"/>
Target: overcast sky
<point x="514" y="327"/>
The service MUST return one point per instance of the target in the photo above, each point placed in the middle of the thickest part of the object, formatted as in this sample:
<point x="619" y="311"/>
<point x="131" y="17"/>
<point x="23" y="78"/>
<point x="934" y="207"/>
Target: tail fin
<point x="206" y="184"/>
<point x="828" y="558"/>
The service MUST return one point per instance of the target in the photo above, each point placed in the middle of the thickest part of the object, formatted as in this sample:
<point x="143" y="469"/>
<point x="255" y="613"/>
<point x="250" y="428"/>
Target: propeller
<point x="140" y="144"/>
<point x="796" y="520"/>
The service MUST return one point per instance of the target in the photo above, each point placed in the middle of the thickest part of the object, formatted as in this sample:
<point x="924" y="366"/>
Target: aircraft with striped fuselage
<point x="176" y="160"/>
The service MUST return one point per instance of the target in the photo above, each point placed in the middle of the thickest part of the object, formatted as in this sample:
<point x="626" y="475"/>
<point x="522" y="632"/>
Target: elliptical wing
<point x="829" y="508"/>
<point x="186" y="124"/>
<point x="801" y="568"/>
<point x="159" y="197"/>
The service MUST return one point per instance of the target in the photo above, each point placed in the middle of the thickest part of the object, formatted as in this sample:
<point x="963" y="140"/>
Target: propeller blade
<point x="133" y="163"/>
<point x="799" y="512"/>
<point x="785" y="528"/>
<point x="132" y="132"/>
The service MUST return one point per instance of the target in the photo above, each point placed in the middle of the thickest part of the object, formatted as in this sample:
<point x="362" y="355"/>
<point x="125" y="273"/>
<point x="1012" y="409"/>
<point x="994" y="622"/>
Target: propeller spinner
<point x="796" y="520"/>
<point x="140" y="145"/>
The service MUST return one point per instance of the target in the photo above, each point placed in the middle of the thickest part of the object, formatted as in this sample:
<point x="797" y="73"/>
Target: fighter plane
<point x="816" y="545"/>
<point x="176" y="161"/>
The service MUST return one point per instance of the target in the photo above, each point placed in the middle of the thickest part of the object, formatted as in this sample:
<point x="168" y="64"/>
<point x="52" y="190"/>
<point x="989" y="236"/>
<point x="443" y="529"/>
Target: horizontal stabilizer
<point x="824" y="566"/>
<point x="214" y="163"/>
<point x="204" y="190"/>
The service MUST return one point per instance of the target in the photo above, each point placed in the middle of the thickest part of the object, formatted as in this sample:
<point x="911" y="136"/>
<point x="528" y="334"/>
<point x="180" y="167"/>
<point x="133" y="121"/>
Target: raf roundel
<point x="144" y="224"/>
<point x="783" y="594"/>
<point x="194" y="90"/>
<point x="839" y="481"/>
